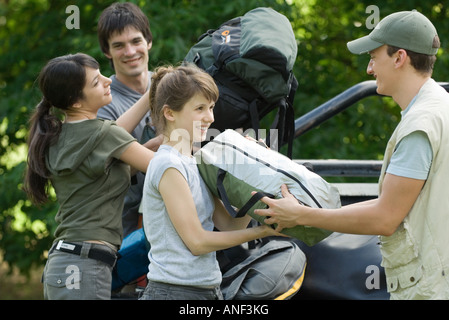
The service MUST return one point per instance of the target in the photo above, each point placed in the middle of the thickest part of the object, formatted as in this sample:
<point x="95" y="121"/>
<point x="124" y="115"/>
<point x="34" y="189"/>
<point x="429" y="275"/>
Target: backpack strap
<point x="224" y="197"/>
<point x="284" y="120"/>
<point x="254" y="116"/>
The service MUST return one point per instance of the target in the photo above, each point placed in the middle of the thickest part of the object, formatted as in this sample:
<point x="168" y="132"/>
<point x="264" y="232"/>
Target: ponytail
<point x="156" y="105"/>
<point x="48" y="123"/>
<point x="45" y="128"/>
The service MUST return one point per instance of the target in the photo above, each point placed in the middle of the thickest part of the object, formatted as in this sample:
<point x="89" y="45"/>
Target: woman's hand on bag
<point x="270" y="231"/>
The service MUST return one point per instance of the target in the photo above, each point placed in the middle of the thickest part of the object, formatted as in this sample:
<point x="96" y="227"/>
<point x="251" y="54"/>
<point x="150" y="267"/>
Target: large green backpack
<point x="251" y="59"/>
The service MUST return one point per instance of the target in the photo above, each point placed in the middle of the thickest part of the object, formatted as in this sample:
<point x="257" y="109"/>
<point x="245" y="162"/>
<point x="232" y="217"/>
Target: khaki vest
<point x="416" y="256"/>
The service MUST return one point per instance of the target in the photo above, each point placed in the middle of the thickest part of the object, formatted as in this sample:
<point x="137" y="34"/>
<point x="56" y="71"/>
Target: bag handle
<point x="224" y="197"/>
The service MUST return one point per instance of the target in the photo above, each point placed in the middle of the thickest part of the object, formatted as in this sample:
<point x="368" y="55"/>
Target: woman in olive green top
<point x="87" y="161"/>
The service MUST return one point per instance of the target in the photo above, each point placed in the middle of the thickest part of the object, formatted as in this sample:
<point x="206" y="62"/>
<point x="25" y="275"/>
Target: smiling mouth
<point x="203" y="128"/>
<point x="132" y="61"/>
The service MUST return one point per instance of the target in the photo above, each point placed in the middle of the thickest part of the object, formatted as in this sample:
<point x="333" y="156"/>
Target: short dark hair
<point x="422" y="63"/>
<point x="116" y="18"/>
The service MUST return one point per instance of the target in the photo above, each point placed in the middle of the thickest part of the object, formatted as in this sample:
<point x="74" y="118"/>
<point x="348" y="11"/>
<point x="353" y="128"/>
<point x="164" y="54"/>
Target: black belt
<point x="93" y="253"/>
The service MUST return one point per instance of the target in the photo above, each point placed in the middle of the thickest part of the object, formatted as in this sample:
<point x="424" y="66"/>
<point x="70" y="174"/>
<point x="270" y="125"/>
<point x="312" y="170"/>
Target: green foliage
<point x="34" y="31"/>
<point x="325" y="68"/>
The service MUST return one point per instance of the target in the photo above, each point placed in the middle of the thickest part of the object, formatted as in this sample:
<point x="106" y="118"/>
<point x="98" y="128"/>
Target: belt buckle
<point x="63" y="245"/>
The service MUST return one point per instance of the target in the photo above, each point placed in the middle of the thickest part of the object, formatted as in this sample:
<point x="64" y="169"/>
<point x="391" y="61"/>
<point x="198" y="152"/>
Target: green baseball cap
<point x="408" y="30"/>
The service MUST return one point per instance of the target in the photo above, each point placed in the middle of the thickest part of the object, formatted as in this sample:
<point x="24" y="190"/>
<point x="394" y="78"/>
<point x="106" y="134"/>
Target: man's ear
<point x="400" y="58"/>
<point x="150" y="45"/>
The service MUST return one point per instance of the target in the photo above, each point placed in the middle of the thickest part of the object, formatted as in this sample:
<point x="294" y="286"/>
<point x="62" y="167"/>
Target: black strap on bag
<point x="224" y="197"/>
<point x="284" y="120"/>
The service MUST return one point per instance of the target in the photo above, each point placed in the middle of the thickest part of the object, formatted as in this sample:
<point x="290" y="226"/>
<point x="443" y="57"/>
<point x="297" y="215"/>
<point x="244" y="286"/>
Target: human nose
<point x="106" y="81"/>
<point x="129" y="49"/>
<point x="212" y="119"/>
<point x="369" y="68"/>
<point x="209" y="117"/>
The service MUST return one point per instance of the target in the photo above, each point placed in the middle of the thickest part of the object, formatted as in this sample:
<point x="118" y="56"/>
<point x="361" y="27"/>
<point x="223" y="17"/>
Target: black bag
<point x="251" y="59"/>
<point x="268" y="269"/>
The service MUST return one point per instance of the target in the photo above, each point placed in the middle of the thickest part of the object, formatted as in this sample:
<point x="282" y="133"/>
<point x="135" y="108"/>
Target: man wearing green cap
<point x="412" y="211"/>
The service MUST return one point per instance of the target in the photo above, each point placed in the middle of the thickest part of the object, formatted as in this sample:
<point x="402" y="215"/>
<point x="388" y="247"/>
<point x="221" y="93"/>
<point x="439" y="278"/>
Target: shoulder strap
<point x="224" y="197"/>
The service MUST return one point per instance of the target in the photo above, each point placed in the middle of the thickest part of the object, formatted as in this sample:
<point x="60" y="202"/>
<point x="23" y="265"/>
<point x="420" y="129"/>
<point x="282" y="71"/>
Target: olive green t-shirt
<point x="89" y="180"/>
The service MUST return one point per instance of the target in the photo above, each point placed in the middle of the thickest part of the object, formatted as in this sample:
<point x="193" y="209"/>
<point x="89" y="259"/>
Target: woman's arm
<point x="154" y="143"/>
<point x="379" y="217"/>
<point x="223" y="221"/>
<point x="131" y="118"/>
<point x="181" y="209"/>
<point x="137" y="156"/>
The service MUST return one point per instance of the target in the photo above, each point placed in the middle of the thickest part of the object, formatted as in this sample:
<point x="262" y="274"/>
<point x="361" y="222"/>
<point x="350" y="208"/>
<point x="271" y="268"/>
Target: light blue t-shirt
<point x="413" y="155"/>
<point x="170" y="259"/>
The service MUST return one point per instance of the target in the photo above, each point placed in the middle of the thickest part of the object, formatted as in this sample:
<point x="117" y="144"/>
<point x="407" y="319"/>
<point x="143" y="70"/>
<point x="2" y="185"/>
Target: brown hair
<point x="174" y="86"/>
<point x="422" y="63"/>
<point x="62" y="82"/>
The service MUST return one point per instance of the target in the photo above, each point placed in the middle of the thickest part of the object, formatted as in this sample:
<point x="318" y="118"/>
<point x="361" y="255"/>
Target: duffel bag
<point x="233" y="166"/>
<point x="273" y="269"/>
